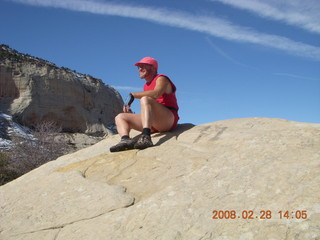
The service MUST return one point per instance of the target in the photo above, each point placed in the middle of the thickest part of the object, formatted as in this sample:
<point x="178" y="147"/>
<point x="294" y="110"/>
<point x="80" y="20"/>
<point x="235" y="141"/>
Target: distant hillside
<point x="33" y="90"/>
<point x="13" y="55"/>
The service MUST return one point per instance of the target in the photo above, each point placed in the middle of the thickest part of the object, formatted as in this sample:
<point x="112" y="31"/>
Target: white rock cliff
<point x="33" y="90"/>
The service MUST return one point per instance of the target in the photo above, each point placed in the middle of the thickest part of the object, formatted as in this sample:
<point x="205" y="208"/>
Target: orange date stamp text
<point x="262" y="214"/>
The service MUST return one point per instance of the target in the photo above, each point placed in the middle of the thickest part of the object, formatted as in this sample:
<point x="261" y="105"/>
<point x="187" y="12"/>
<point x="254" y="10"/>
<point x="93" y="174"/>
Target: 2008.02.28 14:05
<point x="263" y="214"/>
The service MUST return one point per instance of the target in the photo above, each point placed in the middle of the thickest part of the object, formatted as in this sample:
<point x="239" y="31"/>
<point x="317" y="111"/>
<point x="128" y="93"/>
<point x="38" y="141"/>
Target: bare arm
<point x="162" y="86"/>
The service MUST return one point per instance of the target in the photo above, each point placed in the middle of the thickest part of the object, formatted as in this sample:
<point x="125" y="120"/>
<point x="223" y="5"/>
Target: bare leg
<point x="152" y="114"/>
<point x="127" y="121"/>
<point x="155" y="114"/>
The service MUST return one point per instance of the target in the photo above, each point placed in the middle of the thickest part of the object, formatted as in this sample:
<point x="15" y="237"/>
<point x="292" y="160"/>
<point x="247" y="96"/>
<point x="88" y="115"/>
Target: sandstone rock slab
<point x="243" y="165"/>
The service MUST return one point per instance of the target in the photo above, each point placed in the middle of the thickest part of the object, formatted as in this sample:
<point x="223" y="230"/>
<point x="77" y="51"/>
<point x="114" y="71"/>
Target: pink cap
<point x="148" y="60"/>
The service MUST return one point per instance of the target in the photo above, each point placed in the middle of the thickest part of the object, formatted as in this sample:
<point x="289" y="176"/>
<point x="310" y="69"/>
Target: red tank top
<point x="168" y="100"/>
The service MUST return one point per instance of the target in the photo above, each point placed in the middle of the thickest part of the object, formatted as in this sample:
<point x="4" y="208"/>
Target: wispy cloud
<point x="127" y="88"/>
<point x="301" y="13"/>
<point x="223" y="53"/>
<point x="210" y="25"/>
<point x="296" y="76"/>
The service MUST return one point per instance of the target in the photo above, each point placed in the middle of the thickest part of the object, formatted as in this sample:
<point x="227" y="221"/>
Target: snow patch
<point x="9" y="128"/>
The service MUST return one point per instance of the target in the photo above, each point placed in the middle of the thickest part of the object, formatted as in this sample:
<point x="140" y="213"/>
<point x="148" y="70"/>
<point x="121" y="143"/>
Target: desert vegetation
<point x="29" y="152"/>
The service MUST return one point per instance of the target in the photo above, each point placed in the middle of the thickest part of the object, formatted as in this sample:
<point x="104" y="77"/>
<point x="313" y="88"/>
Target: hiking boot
<point x="123" y="145"/>
<point x="143" y="142"/>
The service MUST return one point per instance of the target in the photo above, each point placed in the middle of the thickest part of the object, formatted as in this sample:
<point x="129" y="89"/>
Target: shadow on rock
<point x="165" y="136"/>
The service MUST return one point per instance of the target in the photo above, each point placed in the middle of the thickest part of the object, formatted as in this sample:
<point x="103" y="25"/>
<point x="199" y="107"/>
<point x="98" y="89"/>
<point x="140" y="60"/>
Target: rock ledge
<point x="170" y="191"/>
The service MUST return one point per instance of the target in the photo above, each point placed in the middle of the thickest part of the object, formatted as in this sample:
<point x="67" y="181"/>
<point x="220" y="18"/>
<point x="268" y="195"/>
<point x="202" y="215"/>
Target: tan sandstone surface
<point x="257" y="166"/>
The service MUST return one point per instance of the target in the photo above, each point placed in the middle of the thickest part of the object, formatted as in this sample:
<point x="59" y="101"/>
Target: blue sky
<point x="228" y="58"/>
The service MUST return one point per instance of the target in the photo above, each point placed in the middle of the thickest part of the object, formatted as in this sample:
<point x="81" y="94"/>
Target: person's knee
<point x="119" y="117"/>
<point x="146" y="100"/>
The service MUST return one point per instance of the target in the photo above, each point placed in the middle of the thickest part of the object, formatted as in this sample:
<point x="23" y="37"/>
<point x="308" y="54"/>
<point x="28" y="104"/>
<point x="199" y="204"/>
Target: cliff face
<point x="247" y="179"/>
<point x="33" y="90"/>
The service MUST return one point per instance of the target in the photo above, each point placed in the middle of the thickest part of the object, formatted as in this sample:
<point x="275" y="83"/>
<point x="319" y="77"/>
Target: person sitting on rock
<point x="159" y="108"/>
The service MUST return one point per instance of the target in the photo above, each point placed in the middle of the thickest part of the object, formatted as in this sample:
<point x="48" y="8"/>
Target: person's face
<point x="144" y="70"/>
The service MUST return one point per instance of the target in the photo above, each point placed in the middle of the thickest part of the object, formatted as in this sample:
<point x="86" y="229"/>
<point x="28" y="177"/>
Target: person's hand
<point x="127" y="109"/>
<point x="127" y="103"/>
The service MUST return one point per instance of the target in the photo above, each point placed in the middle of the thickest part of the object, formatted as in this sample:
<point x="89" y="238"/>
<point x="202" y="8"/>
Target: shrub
<point x="30" y="152"/>
<point x="6" y="173"/>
